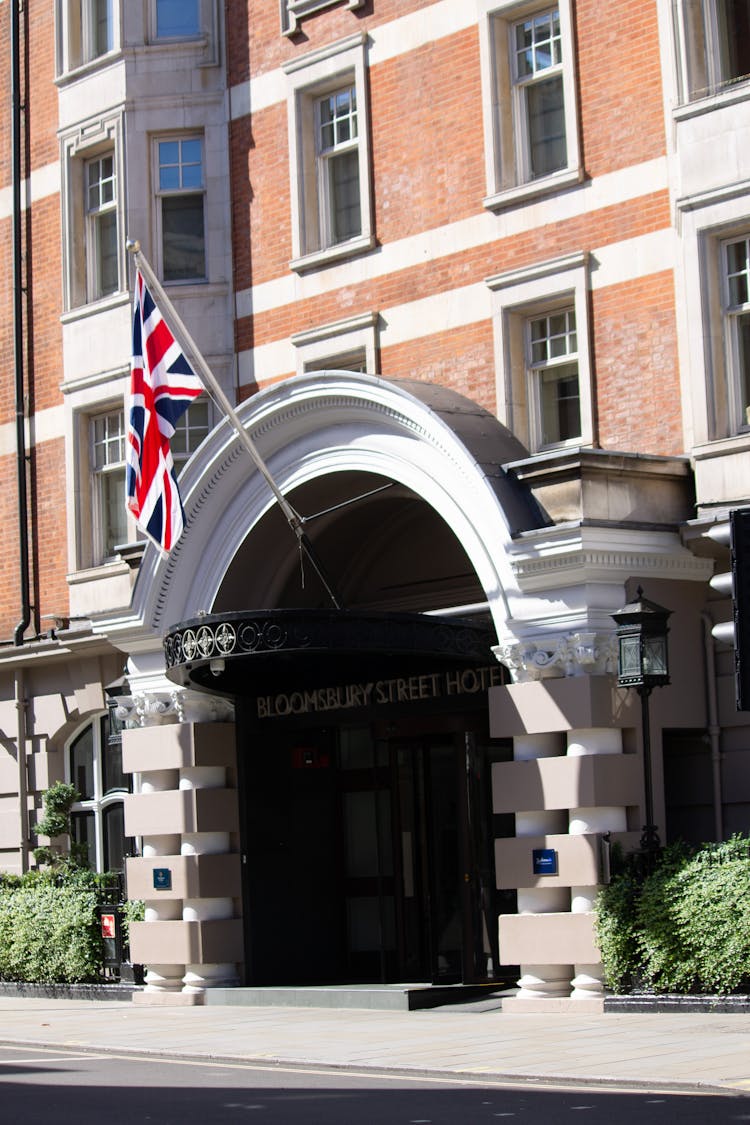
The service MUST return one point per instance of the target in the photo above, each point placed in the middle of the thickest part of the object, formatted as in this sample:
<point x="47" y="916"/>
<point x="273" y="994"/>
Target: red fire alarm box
<point x="310" y="758"/>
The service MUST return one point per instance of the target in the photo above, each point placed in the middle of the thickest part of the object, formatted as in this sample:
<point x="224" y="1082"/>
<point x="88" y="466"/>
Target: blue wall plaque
<point x="545" y="861"/>
<point x="162" y="879"/>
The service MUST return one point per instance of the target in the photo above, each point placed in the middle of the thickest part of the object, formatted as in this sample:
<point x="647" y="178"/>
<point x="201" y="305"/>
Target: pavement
<point x="678" y="1052"/>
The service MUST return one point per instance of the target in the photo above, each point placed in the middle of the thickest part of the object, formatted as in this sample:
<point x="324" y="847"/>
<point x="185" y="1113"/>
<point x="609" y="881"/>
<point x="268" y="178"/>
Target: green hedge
<point x="685" y="927"/>
<point x="49" y="927"/>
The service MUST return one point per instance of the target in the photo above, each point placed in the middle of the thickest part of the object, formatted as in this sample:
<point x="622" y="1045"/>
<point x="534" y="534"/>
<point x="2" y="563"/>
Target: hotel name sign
<point x="374" y="693"/>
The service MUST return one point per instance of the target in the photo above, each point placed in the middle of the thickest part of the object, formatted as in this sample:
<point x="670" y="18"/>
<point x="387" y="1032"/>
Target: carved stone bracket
<point x="148" y="709"/>
<point x="573" y="654"/>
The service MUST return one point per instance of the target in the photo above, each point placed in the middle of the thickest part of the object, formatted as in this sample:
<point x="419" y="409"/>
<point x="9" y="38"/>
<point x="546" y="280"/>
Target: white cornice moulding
<point x="579" y="566"/>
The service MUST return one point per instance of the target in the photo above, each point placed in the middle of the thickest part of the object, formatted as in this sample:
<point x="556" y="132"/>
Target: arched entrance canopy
<point x="321" y="435"/>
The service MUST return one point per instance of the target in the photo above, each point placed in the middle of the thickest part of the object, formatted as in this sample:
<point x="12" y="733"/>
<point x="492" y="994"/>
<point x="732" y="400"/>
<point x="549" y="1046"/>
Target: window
<point x="93" y="220"/>
<point x="180" y="191"/>
<point x="329" y="154"/>
<point x="552" y="357"/>
<point x="544" y="381"/>
<point x="88" y="31"/>
<point x="715" y="44"/>
<point x="112" y="526"/>
<point x="101" y="226"/>
<point x="292" y="11"/>
<point x="338" y="165"/>
<point x="190" y="431"/>
<point x="538" y="91"/>
<point x="531" y="129"/>
<point x="346" y="345"/>
<point x="736" y="305"/>
<point x="348" y="361"/>
<point x="108" y="471"/>
<point x="177" y="19"/>
<point x="94" y="762"/>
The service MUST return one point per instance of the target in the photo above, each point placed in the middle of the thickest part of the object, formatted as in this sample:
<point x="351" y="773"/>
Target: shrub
<point x="49" y="934"/>
<point x="615" y="924"/>
<point x="55" y="821"/>
<point x="49" y="925"/>
<point x="685" y="926"/>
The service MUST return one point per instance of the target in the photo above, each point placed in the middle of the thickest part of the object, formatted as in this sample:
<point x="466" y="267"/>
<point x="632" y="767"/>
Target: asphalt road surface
<point x="68" y="1088"/>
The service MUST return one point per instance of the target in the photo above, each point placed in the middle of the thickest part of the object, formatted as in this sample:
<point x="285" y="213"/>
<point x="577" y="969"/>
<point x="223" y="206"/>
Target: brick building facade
<point x="477" y="277"/>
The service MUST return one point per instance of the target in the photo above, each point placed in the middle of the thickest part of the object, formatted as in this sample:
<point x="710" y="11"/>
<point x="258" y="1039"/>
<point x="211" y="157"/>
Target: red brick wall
<point x="461" y="359"/>
<point x="600" y="228"/>
<point x="428" y="166"/>
<point x="427" y="145"/>
<point x="49" y="530"/>
<point x="41" y="325"/>
<point x="637" y="374"/>
<point x="255" y="41"/>
<point x="620" y="84"/>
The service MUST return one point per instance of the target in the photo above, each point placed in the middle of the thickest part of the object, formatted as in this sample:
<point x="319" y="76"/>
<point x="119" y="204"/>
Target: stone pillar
<point x="186" y="811"/>
<point x="161" y="977"/>
<point x="209" y="974"/>
<point x="588" y="979"/>
<point x="541" y="981"/>
<point x="587" y="786"/>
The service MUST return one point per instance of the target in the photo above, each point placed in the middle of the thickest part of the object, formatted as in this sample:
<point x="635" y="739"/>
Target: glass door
<point x="366" y="834"/>
<point x="417" y="857"/>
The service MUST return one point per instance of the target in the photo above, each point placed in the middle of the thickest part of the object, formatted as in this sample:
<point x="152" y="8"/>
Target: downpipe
<point x="21" y="470"/>
<point x="23" y="787"/>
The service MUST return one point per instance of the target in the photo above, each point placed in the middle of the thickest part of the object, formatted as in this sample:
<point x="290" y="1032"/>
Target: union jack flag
<point x="162" y="386"/>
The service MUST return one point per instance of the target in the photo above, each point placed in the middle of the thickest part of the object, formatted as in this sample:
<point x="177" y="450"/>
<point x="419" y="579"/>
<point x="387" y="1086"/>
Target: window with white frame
<point x="552" y="364"/>
<point x="107" y="435"/>
<point x="181" y="207"/>
<point x="101" y="226"/>
<point x="531" y="129"/>
<point x="87" y="31"/>
<point x="346" y="361"/>
<point x="337" y="156"/>
<point x="736" y="310"/>
<point x="544" y="377"/>
<point x="715" y="45"/>
<point x="345" y="345"/>
<point x="190" y="431"/>
<point x="111" y="524"/>
<point x="93" y="246"/>
<point x="94" y="764"/>
<point x="329" y="154"/>
<point x="538" y="93"/>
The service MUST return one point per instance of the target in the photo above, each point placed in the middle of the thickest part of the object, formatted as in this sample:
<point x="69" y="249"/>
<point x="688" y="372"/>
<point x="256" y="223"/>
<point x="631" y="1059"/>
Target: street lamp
<point x="643" y="664"/>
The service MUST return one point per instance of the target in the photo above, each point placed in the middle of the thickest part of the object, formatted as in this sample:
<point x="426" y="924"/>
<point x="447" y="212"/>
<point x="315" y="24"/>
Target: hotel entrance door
<point x="417" y="845"/>
<point x="370" y="856"/>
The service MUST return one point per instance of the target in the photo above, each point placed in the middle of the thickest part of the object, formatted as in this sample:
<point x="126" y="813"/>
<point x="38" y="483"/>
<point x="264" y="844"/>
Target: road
<point x="62" y="1086"/>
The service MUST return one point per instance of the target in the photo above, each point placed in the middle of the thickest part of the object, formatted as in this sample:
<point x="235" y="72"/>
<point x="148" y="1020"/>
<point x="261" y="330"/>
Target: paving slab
<point x="669" y="1051"/>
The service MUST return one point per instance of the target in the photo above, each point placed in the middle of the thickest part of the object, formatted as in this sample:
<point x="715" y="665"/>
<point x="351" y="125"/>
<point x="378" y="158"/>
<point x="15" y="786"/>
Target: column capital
<point x="155" y="708"/>
<point x="580" y="653"/>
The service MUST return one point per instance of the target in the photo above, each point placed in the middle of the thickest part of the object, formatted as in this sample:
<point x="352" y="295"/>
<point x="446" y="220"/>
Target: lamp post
<point x="643" y="664"/>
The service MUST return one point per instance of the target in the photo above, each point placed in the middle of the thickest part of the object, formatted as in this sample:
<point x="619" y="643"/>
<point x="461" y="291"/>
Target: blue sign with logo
<point x="545" y="861"/>
<point x="162" y="879"/>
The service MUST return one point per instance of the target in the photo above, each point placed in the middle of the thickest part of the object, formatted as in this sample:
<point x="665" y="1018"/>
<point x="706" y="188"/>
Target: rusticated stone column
<point x="541" y="981"/>
<point x="185" y="809"/>
<point x="588" y="979"/>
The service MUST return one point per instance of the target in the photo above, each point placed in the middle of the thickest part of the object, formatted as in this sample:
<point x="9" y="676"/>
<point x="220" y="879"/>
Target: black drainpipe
<point x="23" y="525"/>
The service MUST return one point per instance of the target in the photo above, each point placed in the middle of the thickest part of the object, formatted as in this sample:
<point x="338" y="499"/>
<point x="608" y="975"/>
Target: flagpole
<point x="214" y="389"/>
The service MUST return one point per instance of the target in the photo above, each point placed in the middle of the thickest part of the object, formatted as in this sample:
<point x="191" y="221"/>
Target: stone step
<point x="387" y="997"/>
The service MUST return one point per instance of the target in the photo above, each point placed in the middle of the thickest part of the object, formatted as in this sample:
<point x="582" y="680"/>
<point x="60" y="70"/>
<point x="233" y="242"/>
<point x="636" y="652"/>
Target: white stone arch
<point x="441" y="446"/>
